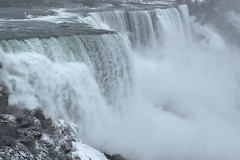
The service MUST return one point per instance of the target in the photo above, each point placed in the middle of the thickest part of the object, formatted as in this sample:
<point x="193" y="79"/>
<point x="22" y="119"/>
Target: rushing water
<point x="150" y="92"/>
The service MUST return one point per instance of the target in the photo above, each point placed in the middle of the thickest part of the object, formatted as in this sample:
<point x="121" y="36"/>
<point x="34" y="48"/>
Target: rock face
<point x="28" y="134"/>
<point x="114" y="157"/>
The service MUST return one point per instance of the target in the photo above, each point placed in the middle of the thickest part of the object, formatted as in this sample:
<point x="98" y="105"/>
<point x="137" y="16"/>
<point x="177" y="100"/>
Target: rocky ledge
<point x="29" y="134"/>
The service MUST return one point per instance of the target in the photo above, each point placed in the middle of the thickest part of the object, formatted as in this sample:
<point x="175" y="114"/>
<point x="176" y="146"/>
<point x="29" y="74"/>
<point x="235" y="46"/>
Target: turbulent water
<point x="152" y="91"/>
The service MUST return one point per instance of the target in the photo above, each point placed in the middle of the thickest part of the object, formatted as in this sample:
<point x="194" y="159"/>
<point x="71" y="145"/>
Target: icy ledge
<point x="27" y="140"/>
<point x="28" y="134"/>
<point x="81" y="150"/>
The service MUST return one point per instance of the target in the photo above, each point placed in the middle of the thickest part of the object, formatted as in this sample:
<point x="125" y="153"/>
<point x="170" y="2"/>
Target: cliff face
<point x="28" y="134"/>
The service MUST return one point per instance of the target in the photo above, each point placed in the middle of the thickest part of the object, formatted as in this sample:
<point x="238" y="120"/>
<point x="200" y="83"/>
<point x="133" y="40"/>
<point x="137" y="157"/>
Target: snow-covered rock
<point x="33" y="141"/>
<point x="28" y="134"/>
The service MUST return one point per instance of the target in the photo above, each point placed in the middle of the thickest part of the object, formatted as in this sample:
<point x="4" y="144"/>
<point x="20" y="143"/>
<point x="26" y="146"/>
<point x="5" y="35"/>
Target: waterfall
<point x="184" y="12"/>
<point x="145" y="90"/>
<point x="66" y="73"/>
<point x="144" y="28"/>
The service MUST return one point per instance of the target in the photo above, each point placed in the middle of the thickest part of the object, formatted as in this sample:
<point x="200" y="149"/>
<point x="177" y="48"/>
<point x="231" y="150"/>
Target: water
<point x="150" y="92"/>
<point x="142" y="28"/>
<point x="66" y="73"/>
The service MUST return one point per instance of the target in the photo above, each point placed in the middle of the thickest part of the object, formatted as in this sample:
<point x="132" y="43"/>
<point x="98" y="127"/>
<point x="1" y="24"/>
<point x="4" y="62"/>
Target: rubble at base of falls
<point x="28" y="134"/>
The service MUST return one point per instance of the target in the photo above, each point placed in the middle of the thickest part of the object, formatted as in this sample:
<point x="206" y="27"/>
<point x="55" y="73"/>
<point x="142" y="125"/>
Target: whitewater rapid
<point x="149" y="91"/>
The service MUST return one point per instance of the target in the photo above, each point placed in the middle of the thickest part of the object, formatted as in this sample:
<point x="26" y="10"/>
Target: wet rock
<point x="108" y="156"/>
<point x="38" y="113"/>
<point x="114" y="157"/>
<point x="117" y="157"/>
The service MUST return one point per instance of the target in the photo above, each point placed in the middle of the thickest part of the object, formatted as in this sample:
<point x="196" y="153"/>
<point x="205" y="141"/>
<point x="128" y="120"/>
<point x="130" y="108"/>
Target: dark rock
<point x="46" y="123"/>
<point x="28" y="142"/>
<point x="26" y="125"/>
<point x="38" y="113"/>
<point x="114" y="157"/>
<point x="117" y="157"/>
<point x="19" y="119"/>
<point x="67" y="151"/>
<point x="108" y="156"/>
<point x="52" y="152"/>
<point x="38" y="136"/>
<point x="4" y="93"/>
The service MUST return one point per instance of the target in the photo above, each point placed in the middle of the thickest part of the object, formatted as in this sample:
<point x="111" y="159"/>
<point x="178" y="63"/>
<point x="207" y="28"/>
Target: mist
<point x="184" y="102"/>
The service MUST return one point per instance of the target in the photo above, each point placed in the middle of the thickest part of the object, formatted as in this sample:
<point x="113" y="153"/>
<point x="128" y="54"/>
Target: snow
<point x="66" y="134"/>
<point x="47" y="139"/>
<point x="85" y="152"/>
<point x="82" y="150"/>
<point x="7" y="118"/>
